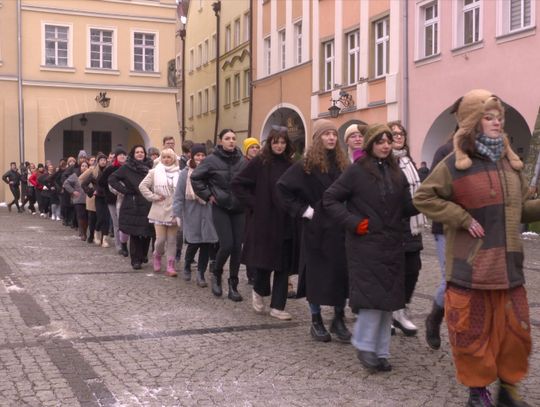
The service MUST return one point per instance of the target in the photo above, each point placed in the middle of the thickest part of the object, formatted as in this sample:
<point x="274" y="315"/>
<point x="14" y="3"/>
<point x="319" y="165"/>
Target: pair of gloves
<point x="361" y="228"/>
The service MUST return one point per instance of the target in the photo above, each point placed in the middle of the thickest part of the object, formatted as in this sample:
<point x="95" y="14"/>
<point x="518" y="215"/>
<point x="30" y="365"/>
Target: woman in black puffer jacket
<point x="211" y="181"/>
<point x="133" y="216"/>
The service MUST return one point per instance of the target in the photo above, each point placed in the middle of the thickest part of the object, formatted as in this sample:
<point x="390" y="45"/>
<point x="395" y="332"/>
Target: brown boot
<point x="83" y="226"/>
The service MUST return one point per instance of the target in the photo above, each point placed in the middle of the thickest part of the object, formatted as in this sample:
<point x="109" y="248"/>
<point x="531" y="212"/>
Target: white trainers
<point x="402" y="321"/>
<point x="257" y="302"/>
<point x="105" y="243"/>
<point x="283" y="315"/>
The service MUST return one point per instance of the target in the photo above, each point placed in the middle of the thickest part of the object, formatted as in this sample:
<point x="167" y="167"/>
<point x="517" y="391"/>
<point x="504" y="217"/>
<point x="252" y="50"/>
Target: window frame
<point x="213" y="100"/>
<point x="355" y="54"/>
<point x="298" y="42"/>
<point x="114" y="46"/>
<point x="247" y="83"/>
<point x="155" y="48"/>
<point x="205" y="101"/>
<point x="237" y="33"/>
<point x="282" y="47"/>
<point x="191" y="59"/>
<point x="384" y="40"/>
<point x="227" y="92"/>
<point x="329" y="61"/>
<point x="199" y="103"/>
<point x="228" y="38"/>
<point x="191" y="110"/>
<point x="247" y="26"/>
<point x="267" y="56"/>
<point x="475" y="6"/>
<point x="69" y="48"/>
<point x="206" y="47"/>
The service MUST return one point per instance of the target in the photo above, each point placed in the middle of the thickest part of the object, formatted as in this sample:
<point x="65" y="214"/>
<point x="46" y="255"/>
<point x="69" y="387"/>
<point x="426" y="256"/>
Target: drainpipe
<point x="250" y="108"/>
<point x="217" y="10"/>
<point x="405" y="109"/>
<point x="183" y="79"/>
<point x="19" y="82"/>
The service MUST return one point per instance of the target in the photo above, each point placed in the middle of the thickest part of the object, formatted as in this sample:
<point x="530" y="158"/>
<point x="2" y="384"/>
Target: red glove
<point x="362" y="227"/>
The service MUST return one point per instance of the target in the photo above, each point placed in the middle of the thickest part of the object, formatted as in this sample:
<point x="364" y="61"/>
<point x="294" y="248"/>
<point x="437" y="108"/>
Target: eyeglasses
<point x="398" y="134"/>
<point x="280" y="129"/>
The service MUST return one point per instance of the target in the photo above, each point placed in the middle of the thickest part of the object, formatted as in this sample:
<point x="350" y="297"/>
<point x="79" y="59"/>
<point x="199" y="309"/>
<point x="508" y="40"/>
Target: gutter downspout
<point x="405" y="117"/>
<point x="217" y="11"/>
<point x="250" y="107"/>
<point x="19" y="83"/>
<point x="183" y="79"/>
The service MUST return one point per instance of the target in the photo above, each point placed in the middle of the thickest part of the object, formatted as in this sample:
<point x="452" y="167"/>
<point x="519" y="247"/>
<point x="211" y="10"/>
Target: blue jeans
<point x="441" y="246"/>
<point x="372" y="332"/>
<point x="316" y="308"/>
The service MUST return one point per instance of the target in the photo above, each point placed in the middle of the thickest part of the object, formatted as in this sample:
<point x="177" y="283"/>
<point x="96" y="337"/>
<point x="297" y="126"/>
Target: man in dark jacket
<point x="13" y="179"/>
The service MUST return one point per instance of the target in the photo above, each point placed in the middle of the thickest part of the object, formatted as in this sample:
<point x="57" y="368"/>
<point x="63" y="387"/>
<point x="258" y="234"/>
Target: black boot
<point x="124" y="251"/>
<point x="186" y="274"/>
<point x="234" y="295"/>
<point x="339" y="328"/>
<point x="216" y="283"/>
<point x="509" y="397"/>
<point x="201" y="282"/>
<point x="189" y="258"/>
<point x="479" y="397"/>
<point x="433" y="326"/>
<point x="318" y="331"/>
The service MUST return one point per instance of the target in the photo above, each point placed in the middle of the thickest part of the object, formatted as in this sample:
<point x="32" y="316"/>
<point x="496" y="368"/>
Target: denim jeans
<point x="441" y="246"/>
<point x="372" y="332"/>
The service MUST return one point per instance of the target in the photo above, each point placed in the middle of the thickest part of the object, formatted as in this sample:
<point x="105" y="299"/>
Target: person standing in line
<point x="72" y="186"/>
<point x="322" y="268"/>
<point x="31" y="190"/>
<point x="158" y="188"/>
<point x="423" y="171"/>
<point x="133" y="215"/>
<point x="153" y="153"/>
<point x="13" y="178"/>
<point x="354" y="139"/>
<point x="25" y="171"/>
<point x="187" y="145"/>
<point x="195" y="216"/>
<point x="413" y="227"/>
<point x="48" y="192"/>
<point x="480" y="194"/>
<point x="69" y="217"/>
<point x="251" y="148"/>
<point x="211" y="181"/>
<point x="270" y="229"/>
<point x="377" y="198"/>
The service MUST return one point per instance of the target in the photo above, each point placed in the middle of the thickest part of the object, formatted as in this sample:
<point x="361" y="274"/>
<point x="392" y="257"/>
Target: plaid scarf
<point x="490" y="147"/>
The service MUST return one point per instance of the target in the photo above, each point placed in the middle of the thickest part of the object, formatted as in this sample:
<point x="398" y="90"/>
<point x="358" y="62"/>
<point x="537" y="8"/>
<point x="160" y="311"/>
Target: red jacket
<point x="34" y="181"/>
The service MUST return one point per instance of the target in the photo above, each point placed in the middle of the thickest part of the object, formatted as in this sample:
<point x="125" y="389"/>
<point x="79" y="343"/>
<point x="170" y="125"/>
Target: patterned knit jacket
<point x="494" y="194"/>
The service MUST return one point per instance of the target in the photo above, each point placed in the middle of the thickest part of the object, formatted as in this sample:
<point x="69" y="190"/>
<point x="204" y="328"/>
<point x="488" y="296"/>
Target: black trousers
<point x="230" y="230"/>
<point x="91" y="223"/>
<point x="16" y="195"/>
<point x="24" y="192"/>
<point x="102" y="215"/>
<point x="204" y="255"/>
<point x="413" y="264"/>
<point x="138" y="248"/>
<point x="80" y="210"/>
<point x="31" y="198"/>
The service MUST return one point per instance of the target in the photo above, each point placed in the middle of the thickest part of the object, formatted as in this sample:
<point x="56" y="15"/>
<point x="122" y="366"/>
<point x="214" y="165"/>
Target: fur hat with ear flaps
<point x="472" y="107"/>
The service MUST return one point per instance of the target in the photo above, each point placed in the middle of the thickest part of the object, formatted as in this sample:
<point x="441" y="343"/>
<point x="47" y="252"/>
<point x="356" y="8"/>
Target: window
<point x="520" y="14"/>
<point x="471" y="21"/>
<point x="199" y="55"/>
<point x="237" y="87"/>
<point x="144" y="49"/>
<point x="247" y="83"/>
<point x="191" y="59"/>
<point x="191" y="105"/>
<point x="227" y="91"/>
<point x="328" y="52"/>
<point x="267" y="56"/>
<point x="214" y="46"/>
<point x="429" y="36"/>
<point x="101" y="141"/>
<point x="246" y="27"/>
<point x="282" y="49"/>
<point x="213" y="100"/>
<point x="101" y="48"/>
<point x="382" y="49"/>
<point x="298" y="42"/>
<point x="236" y="32"/>
<point x="56" y="45"/>
<point x="205" y="101"/>
<point x="199" y="103"/>
<point x="227" y="38"/>
<point x="205" y="52"/>
<point x="353" y="56"/>
<point x="73" y="142"/>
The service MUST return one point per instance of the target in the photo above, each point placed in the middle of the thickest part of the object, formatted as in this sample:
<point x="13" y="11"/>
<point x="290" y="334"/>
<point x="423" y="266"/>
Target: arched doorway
<point x="343" y="128"/>
<point x="92" y="132"/>
<point x="514" y="125"/>
<point x="287" y="117"/>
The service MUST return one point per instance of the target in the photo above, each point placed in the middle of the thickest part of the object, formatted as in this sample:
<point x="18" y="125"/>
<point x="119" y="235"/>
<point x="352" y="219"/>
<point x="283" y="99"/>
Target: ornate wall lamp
<point x="102" y="99"/>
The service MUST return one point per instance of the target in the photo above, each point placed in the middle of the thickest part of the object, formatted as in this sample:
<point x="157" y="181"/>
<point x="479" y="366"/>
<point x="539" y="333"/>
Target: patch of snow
<point x="14" y="288"/>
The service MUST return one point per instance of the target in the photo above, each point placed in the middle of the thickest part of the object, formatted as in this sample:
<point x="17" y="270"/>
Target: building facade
<point x="213" y="72"/>
<point x="92" y="77"/>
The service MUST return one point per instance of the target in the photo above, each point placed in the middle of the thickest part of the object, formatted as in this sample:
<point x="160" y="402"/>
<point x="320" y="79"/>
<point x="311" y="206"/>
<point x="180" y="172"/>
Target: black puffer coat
<point x="103" y="183"/>
<point x="133" y="217"/>
<point x="375" y="260"/>
<point x="214" y="175"/>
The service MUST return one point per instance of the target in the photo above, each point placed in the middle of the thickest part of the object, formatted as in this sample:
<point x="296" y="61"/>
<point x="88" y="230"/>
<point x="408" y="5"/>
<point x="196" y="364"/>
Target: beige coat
<point x="90" y="202"/>
<point x="161" y="211"/>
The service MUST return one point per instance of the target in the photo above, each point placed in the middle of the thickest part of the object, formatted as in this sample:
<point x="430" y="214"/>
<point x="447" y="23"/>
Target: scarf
<point x="190" y="194"/>
<point x="405" y="163"/>
<point x="165" y="179"/>
<point x="490" y="147"/>
<point x="140" y="167"/>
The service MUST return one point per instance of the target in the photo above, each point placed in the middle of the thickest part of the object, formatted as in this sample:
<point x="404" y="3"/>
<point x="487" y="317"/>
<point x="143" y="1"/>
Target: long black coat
<point x="375" y="260"/>
<point x="322" y="266"/>
<point x="133" y="216"/>
<point x="269" y="225"/>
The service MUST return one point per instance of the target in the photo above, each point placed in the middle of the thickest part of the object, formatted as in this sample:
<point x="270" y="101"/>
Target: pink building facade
<point x="458" y="45"/>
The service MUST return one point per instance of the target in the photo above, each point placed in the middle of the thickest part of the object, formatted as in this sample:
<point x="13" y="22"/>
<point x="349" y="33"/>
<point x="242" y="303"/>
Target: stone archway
<point x="291" y="118"/>
<point x="92" y="132"/>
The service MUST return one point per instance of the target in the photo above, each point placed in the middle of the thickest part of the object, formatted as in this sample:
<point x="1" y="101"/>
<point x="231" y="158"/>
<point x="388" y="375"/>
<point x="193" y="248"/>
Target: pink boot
<point x="171" y="272"/>
<point x="157" y="262"/>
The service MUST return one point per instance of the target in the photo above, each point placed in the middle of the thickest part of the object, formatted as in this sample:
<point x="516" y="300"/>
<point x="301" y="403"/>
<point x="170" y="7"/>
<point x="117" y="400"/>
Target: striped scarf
<point x="490" y="147"/>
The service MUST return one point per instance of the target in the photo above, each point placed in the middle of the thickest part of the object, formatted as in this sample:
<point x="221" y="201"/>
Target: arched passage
<point x="444" y="125"/>
<point x="290" y="117"/>
<point x="92" y="132"/>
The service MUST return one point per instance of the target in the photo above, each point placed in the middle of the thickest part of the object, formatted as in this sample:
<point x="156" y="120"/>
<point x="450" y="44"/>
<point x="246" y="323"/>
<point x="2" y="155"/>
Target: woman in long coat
<point x="270" y="227"/>
<point x="133" y="215"/>
<point x="322" y="266"/>
<point x="377" y="198"/>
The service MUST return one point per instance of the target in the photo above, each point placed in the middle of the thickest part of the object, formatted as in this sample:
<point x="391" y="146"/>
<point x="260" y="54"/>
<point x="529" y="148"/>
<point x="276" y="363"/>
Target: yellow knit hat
<point x="251" y="141"/>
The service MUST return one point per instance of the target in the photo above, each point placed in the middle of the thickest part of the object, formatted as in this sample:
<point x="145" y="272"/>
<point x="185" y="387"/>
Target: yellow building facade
<point x="201" y="55"/>
<point x="94" y="75"/>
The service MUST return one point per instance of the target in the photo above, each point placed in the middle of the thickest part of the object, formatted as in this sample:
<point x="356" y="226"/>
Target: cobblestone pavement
<point x="79" y="327"/>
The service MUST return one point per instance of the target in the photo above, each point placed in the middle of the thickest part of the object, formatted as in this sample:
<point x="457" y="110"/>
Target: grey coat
<point x="72" y="184"/>
<point x="197" y="222"/>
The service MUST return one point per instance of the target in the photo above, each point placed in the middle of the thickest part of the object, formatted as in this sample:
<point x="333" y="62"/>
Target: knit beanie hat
<point x="372" y="131"/>
<point x="153" y="150"/>
<point x="199" y="148"/>
<point x="471" y="109"/>
<point x="119" y="151"/>
<point x="354" y="128"/>
<point x="321" y="126"/>
<point x="251" y="141"/>
<point x="82" y="154"/>
<point x="100" y="156"/>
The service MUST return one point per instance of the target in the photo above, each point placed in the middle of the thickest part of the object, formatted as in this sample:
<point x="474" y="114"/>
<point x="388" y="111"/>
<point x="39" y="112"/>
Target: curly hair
<point x="317" y="157"/>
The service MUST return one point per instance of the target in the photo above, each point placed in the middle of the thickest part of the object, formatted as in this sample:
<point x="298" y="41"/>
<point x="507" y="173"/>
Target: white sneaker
<point x="105" y="243"/>
<point x="283" y="315"/>
<point x="402" y="321"/>
<point x="257" y="302"/>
